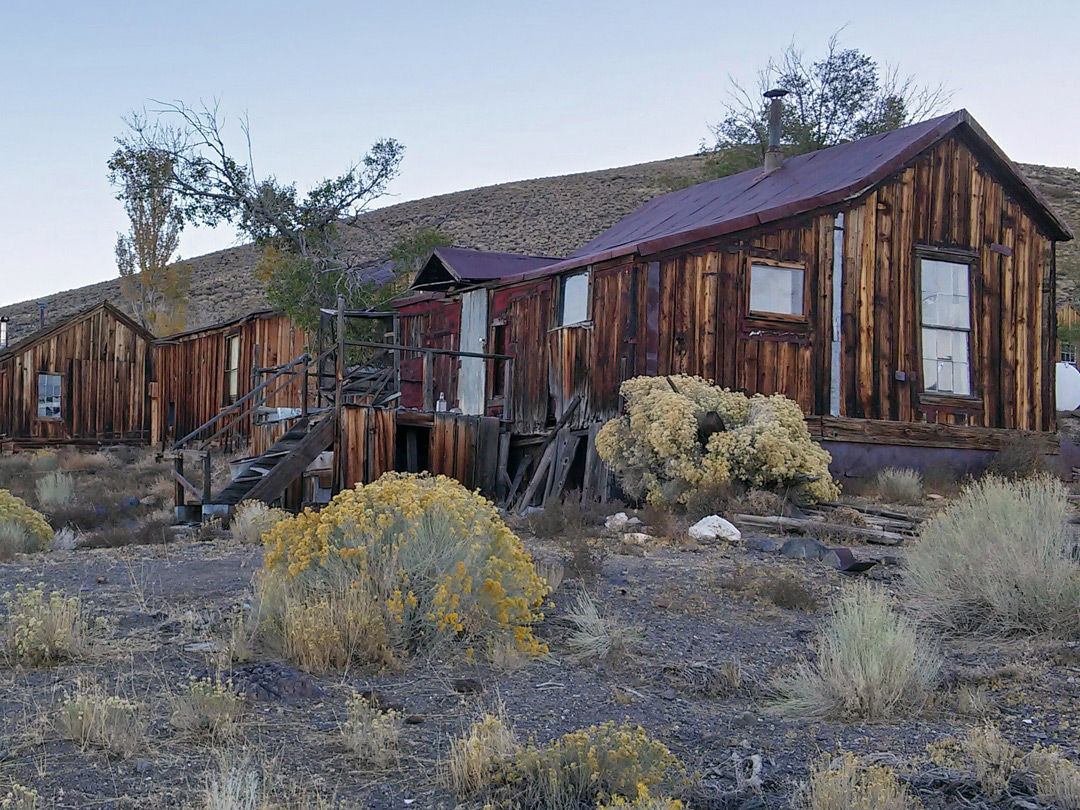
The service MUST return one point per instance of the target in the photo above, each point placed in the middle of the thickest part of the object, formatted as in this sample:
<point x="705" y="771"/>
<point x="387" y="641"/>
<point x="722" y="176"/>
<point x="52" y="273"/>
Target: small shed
<point x="84" y="380"/>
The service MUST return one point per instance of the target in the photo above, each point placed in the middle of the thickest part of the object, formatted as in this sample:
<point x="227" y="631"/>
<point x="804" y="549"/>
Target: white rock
<point x="714" y="527"/>
<point x="620" y="521"/>
<point x="636" y="537"/>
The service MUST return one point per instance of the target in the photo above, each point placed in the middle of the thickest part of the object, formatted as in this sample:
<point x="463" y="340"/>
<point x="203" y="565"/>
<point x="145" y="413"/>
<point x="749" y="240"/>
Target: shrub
<point x="429" y="563"/>
<point x="871" y="664"/>
<point x="588" y="766"/>
<point x="15" y="539"/>
<point x="643" y="801"/>
<point x="598" y="638"/>
<point x="659" y="449"/>
<point x="898" y="485"/>
<point x="996" y="760"/>
<point x="997" y="561"/>
<point x="371" y="734"/>
<point x="210" y="707"/>
<point x="43" y="632"/>
<point x="20" y="798"/>
<point x="1056" y="778"/>
<point x="91" y="717"/>
<point x="253" y="519"/>
<point x="1019" y="457"/>
<point x="15" y="510"/>
<point x="567" y="515"/>
<point x="844" y="783"/>
<point x="476" y="756"/>
<point x="55" y="490"/>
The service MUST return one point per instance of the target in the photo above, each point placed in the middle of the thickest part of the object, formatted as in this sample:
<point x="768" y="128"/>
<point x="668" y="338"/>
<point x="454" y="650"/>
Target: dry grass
<point x="996" y="760"/>
<point x="785" y="591"/>
<point x="332" y="630"/>
<point x="599" y="638"/>
<point x="93" y="718"/>
<point x="1057" y="779"/>
<point x="997" y="561"/>
<point x="208" y="708"/>
<point x="897" y="485"/>
<point x="1018" y="458"/>
<point x="844" y="783"/>
<point x="20" y="798"/>
<point x="870" y="664"/>
<point x="563" y="517"/>
<point x="372" y="735"/>
<point x="476" y="756"/>
<point x="43" y="631"/>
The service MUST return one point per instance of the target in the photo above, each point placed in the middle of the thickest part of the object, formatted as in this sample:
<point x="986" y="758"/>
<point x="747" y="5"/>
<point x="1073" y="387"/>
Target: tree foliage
<point x="155" y="287"/>
<point x="305" y="262"/>
<point x="409" y="253"/>
<point x="840" y="97"/>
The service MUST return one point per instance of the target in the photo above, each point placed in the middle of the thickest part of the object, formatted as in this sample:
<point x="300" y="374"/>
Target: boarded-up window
<point x="49" y="394"/>
<point x="946" y="327"/>
<point x="232" y="369"/>
<point x="574" y="299"/>
<point x="776" y="290"/>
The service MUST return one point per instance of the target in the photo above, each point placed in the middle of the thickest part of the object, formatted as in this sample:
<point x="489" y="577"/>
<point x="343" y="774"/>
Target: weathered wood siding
<point x="105" y="365"/>
<point x="433" y="324"/>
<point x="526" y="311"/>
<point x="190" y="369"/>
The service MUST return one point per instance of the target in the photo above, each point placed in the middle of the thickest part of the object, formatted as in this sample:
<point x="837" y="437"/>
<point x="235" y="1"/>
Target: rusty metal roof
<point x="448" y="265"/>
<point x="802" y="184"/>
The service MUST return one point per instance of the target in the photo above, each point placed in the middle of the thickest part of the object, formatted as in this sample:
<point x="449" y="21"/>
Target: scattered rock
<point x="636" y="537"/>
<point x="414" y="720"/>
<point x="930" y="496"/>
<point x="766" y="544"/>
<point x="669" y="694"/>
<point x="102" y="580"/>
<point x="620" y="521"/>
<point x="468" y="686"/>
<point x="843" y="559"/>
<point x="745" y="718"/>
<point x="143" y="766"/>
<point x="130" y="502"/>
<point x="714" y="527"/>
<point x="267" y="680"/>
<point x="201" y="647"/>
<point x="806" y="548"/>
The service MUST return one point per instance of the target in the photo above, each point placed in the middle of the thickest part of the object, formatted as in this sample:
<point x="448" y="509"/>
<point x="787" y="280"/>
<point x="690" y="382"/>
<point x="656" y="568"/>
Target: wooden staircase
<point x="267" y="478"/>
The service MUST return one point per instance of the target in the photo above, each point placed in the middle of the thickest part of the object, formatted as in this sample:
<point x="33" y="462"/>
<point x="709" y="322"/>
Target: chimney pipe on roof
<point x="41" y="314"/>
<point x="3" y="331"/>
<point x="774" y="158"/>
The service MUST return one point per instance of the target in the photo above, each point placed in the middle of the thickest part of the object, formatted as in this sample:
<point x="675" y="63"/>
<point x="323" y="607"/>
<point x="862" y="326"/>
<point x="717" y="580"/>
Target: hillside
<point x="549" y="216"/>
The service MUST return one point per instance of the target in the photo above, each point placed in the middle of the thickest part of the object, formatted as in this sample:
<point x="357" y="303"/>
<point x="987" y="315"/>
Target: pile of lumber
<point x="883" y="526"/>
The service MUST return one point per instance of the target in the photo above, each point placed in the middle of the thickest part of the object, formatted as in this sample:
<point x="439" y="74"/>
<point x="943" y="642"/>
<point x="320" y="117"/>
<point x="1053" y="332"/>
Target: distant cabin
<point x="84" y="380"/>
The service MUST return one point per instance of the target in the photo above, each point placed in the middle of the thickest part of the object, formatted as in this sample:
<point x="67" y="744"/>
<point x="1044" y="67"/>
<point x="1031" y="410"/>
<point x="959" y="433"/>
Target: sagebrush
<point x="870" y="664"/>
<point x="845" y="783"/>
<point x="41" y="630"/>
<point x="92" y="717"/>
<point x="899" y="485"/>
<point x="998" y="561"/>
<point x="681" y="435"/>
<point x="15" y="510"/>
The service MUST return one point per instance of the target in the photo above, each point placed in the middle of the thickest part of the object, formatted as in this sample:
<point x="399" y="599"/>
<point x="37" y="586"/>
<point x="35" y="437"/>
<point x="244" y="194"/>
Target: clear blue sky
<point x="479" y="92"/>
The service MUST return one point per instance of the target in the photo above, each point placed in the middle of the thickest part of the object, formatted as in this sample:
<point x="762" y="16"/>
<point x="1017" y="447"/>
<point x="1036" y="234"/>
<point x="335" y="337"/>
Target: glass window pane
<point x="778" y="290"/>
<point x="946" y="366"/>
<point x="575" y="299"/>
<point x="945" y="294"/>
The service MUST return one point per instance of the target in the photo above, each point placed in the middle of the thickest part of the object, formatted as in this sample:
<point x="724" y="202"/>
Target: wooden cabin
<point x="900" y="288"/>
<point x="200" y="373"/>
<point x="84" y="380"/>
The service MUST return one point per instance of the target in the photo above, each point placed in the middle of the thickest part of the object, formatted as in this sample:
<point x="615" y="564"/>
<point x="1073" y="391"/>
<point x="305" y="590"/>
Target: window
<point x="574" y="299"/>
<point x="946" y="325"/>
<point x="1068" y="352"/>
<point x="48" y="398"/>
<point x="776" y="290"/>
<point x="232" y="369"/>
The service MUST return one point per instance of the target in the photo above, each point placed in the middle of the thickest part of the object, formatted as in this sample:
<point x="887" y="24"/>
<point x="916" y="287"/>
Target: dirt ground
<point x="699" y="610"/>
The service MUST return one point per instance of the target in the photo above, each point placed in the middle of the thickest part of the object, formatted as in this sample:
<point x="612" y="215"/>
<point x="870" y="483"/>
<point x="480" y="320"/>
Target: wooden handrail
<point x="426" y="350"/>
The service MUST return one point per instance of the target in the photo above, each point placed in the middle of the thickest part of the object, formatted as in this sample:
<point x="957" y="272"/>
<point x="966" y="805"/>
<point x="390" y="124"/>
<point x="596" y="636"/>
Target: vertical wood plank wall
<point x="106" y="367"/>
<point x="190" y="369"/>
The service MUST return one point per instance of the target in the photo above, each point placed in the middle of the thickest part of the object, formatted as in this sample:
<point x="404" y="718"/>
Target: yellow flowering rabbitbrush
<point x="435" y="561"/>
<point x="14" y="509"/>
<point x="657" y="454"/>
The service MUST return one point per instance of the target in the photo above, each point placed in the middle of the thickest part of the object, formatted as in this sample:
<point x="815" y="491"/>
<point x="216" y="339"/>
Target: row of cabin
<point x="900" y="288"/>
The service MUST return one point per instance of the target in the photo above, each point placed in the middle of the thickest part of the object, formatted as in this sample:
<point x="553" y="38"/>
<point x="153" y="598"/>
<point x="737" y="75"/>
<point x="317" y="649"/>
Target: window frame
<point x="37" y="413"/>
<point x="560" y="298"/>
<point x="970" y="260"/>
<point x="765" y="316"/>
<point x="227" y="395"/>
<point x="1067" y="353"/>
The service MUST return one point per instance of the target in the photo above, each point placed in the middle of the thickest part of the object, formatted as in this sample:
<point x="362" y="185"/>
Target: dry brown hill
<point x="551" y="216"/>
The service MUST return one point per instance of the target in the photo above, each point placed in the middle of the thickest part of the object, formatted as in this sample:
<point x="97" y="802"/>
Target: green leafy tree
<point x="305" y="262"/>
<point x="411" y="251"/>
<point x="840" y="97"/>
<point x="153" y="285"/>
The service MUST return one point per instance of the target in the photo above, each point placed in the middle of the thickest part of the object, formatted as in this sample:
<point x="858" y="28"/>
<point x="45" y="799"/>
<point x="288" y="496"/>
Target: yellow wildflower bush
<point x="433" y="563"/>
<point x="14" y="509"/>
<point x="43" y="631"/>
<point x="656" y="451"/>
<point x="601" y="764"/>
